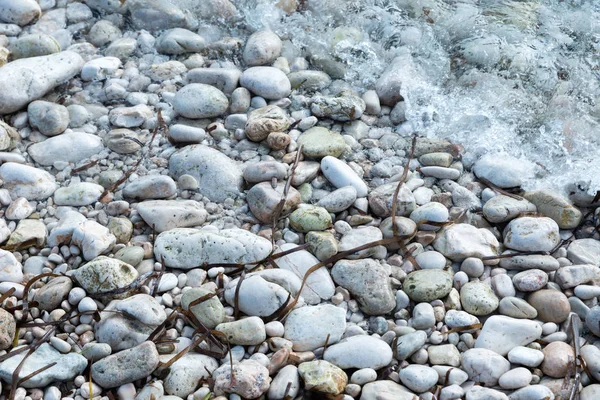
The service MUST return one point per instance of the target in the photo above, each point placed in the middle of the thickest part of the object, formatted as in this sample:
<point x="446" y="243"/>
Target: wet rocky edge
<point x="192" y="218"/>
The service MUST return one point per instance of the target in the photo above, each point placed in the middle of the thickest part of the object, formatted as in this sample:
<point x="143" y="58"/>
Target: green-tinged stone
<point x="121" y="228"/>
<point x="209" y="312"/>
<point x="427" y="285"/>
<point x="322" y="376"/>
<point x="310" y="218"/>
<point x="322" y="244"/>
<point x="319" y="142"/>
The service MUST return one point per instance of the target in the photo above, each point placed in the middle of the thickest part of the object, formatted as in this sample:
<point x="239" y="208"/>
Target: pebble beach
<point x="190" y="215"/>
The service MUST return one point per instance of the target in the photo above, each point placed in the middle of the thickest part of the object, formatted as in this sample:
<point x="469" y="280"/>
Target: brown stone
<point x="265" y="120"/>
<point x="278" y="140"/>
<point x="557" y="356"/>
<point x="551" y="305"/>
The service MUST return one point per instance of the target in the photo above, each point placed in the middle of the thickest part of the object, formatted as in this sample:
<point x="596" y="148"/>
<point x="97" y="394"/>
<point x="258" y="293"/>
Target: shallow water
<point x="494" y="75"/>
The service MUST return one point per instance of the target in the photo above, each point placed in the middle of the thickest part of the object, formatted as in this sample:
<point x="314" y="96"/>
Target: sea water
<point x="519" y="77"/>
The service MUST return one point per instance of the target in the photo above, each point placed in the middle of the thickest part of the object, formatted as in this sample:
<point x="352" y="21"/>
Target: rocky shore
<point x="191" y="217"/>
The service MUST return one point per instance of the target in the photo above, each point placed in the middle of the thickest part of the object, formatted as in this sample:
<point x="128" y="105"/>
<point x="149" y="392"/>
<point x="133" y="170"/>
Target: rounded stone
<point x="592" y="320"/>
<point x="478" y="298"/>
<point x="427" y="285"/>
<point x="49" y="118"/>
<point x="310" y="218"/>
<point x="262" y="48"/>
<point x="34" y="45"/>
<point x="531" y="234"/>
<point x="123" y="141"/>
<point x="557" y="356"/>
<point x="268" y="82"/>
<point x="7" y="329"/>
<point x="551" y="305"/>
<point x="209" y="312"/>
<point x="198" y="100"/>
<point x="319" y="142"/>
<point x="419" y="378"/>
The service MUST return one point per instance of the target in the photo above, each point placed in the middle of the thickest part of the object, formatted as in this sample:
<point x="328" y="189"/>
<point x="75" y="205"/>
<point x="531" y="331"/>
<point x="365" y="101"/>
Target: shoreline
<point x="185" y="217"/>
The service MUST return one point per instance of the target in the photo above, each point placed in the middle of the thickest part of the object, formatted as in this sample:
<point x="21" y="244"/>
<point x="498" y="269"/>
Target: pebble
<point x="532" y="392"/>
<point x="262" y="48"/>
<point x="184" y="248"/>
<point x="218" y="175"/>
<point x="460" y="241"/>
<point x="268" y="82"/>
<point x="50" y="296"/>
<point x="339" y="200"/>
<point x="531" y="234"/>
<point x="501" y="334"/>
<point x="516" y="308"/>
<point x="556" y="207"/>
<point x="67" y="367"/>
<point x="319" y="284"/>
<point x="287" y="381"/>
<point x="525" y="356"/>
<point x="359" y="351"/>
<point x="433" y="212"/>
<point x="584" y="251"/>
<point x="185" y="373"/>
<point x="258" y="296"/>
<point x="31" y="78"/>
<point x="309" y="80"/>
<point x="246" y="331"/>
<point x="81" y="147"/>
<point x="262" y="121"/>
<point x="592" y="320"/>
<point x="49" y="118"/>
<point x="140" y="315"/>
<point x="209" y="312"/>
<point x="104" y="274"/>
<point x="409" y="343"/>
<point x="418" y="378"/>
<point x="11" y="270"/>
<point x="26" y="181"/>
<point x="551" y="305"/>
<point x="515" y="378"/>
<point x="179" y="41"/>
<point x="484" y="366"/>
<point x="341" y="175"/>
<point x="92" y="238"/>
<point x="20" y="13"/>
<point x="518" y="262"/>
<point x="263" y="201"/>
<point x="309" y="327"/>
<point x="503" y="208"/>
<point x="7" y="329"/>
<point x="323" y="377"/>
<point x="310" y="218"/>
<point x="123" y="141"/>
<point x="166" y="215"/>
<point x="319" y="142"/>
<point x="427" y="285"/>
<point x="557" y="356"/>
<point x="530" y="280"/>
<point x="368" y="282"/>
<point x="345" y="106"/>
<point x="591" y="356"/>
<point x="126" y="366"/>
<point x="197" y="100"/>
<point x="151" y="187"/>
<point x="78" y="194"/>
<point x="99" y="68"/>
<point x="252" y="379"/>
<point x="477" y="298"/>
